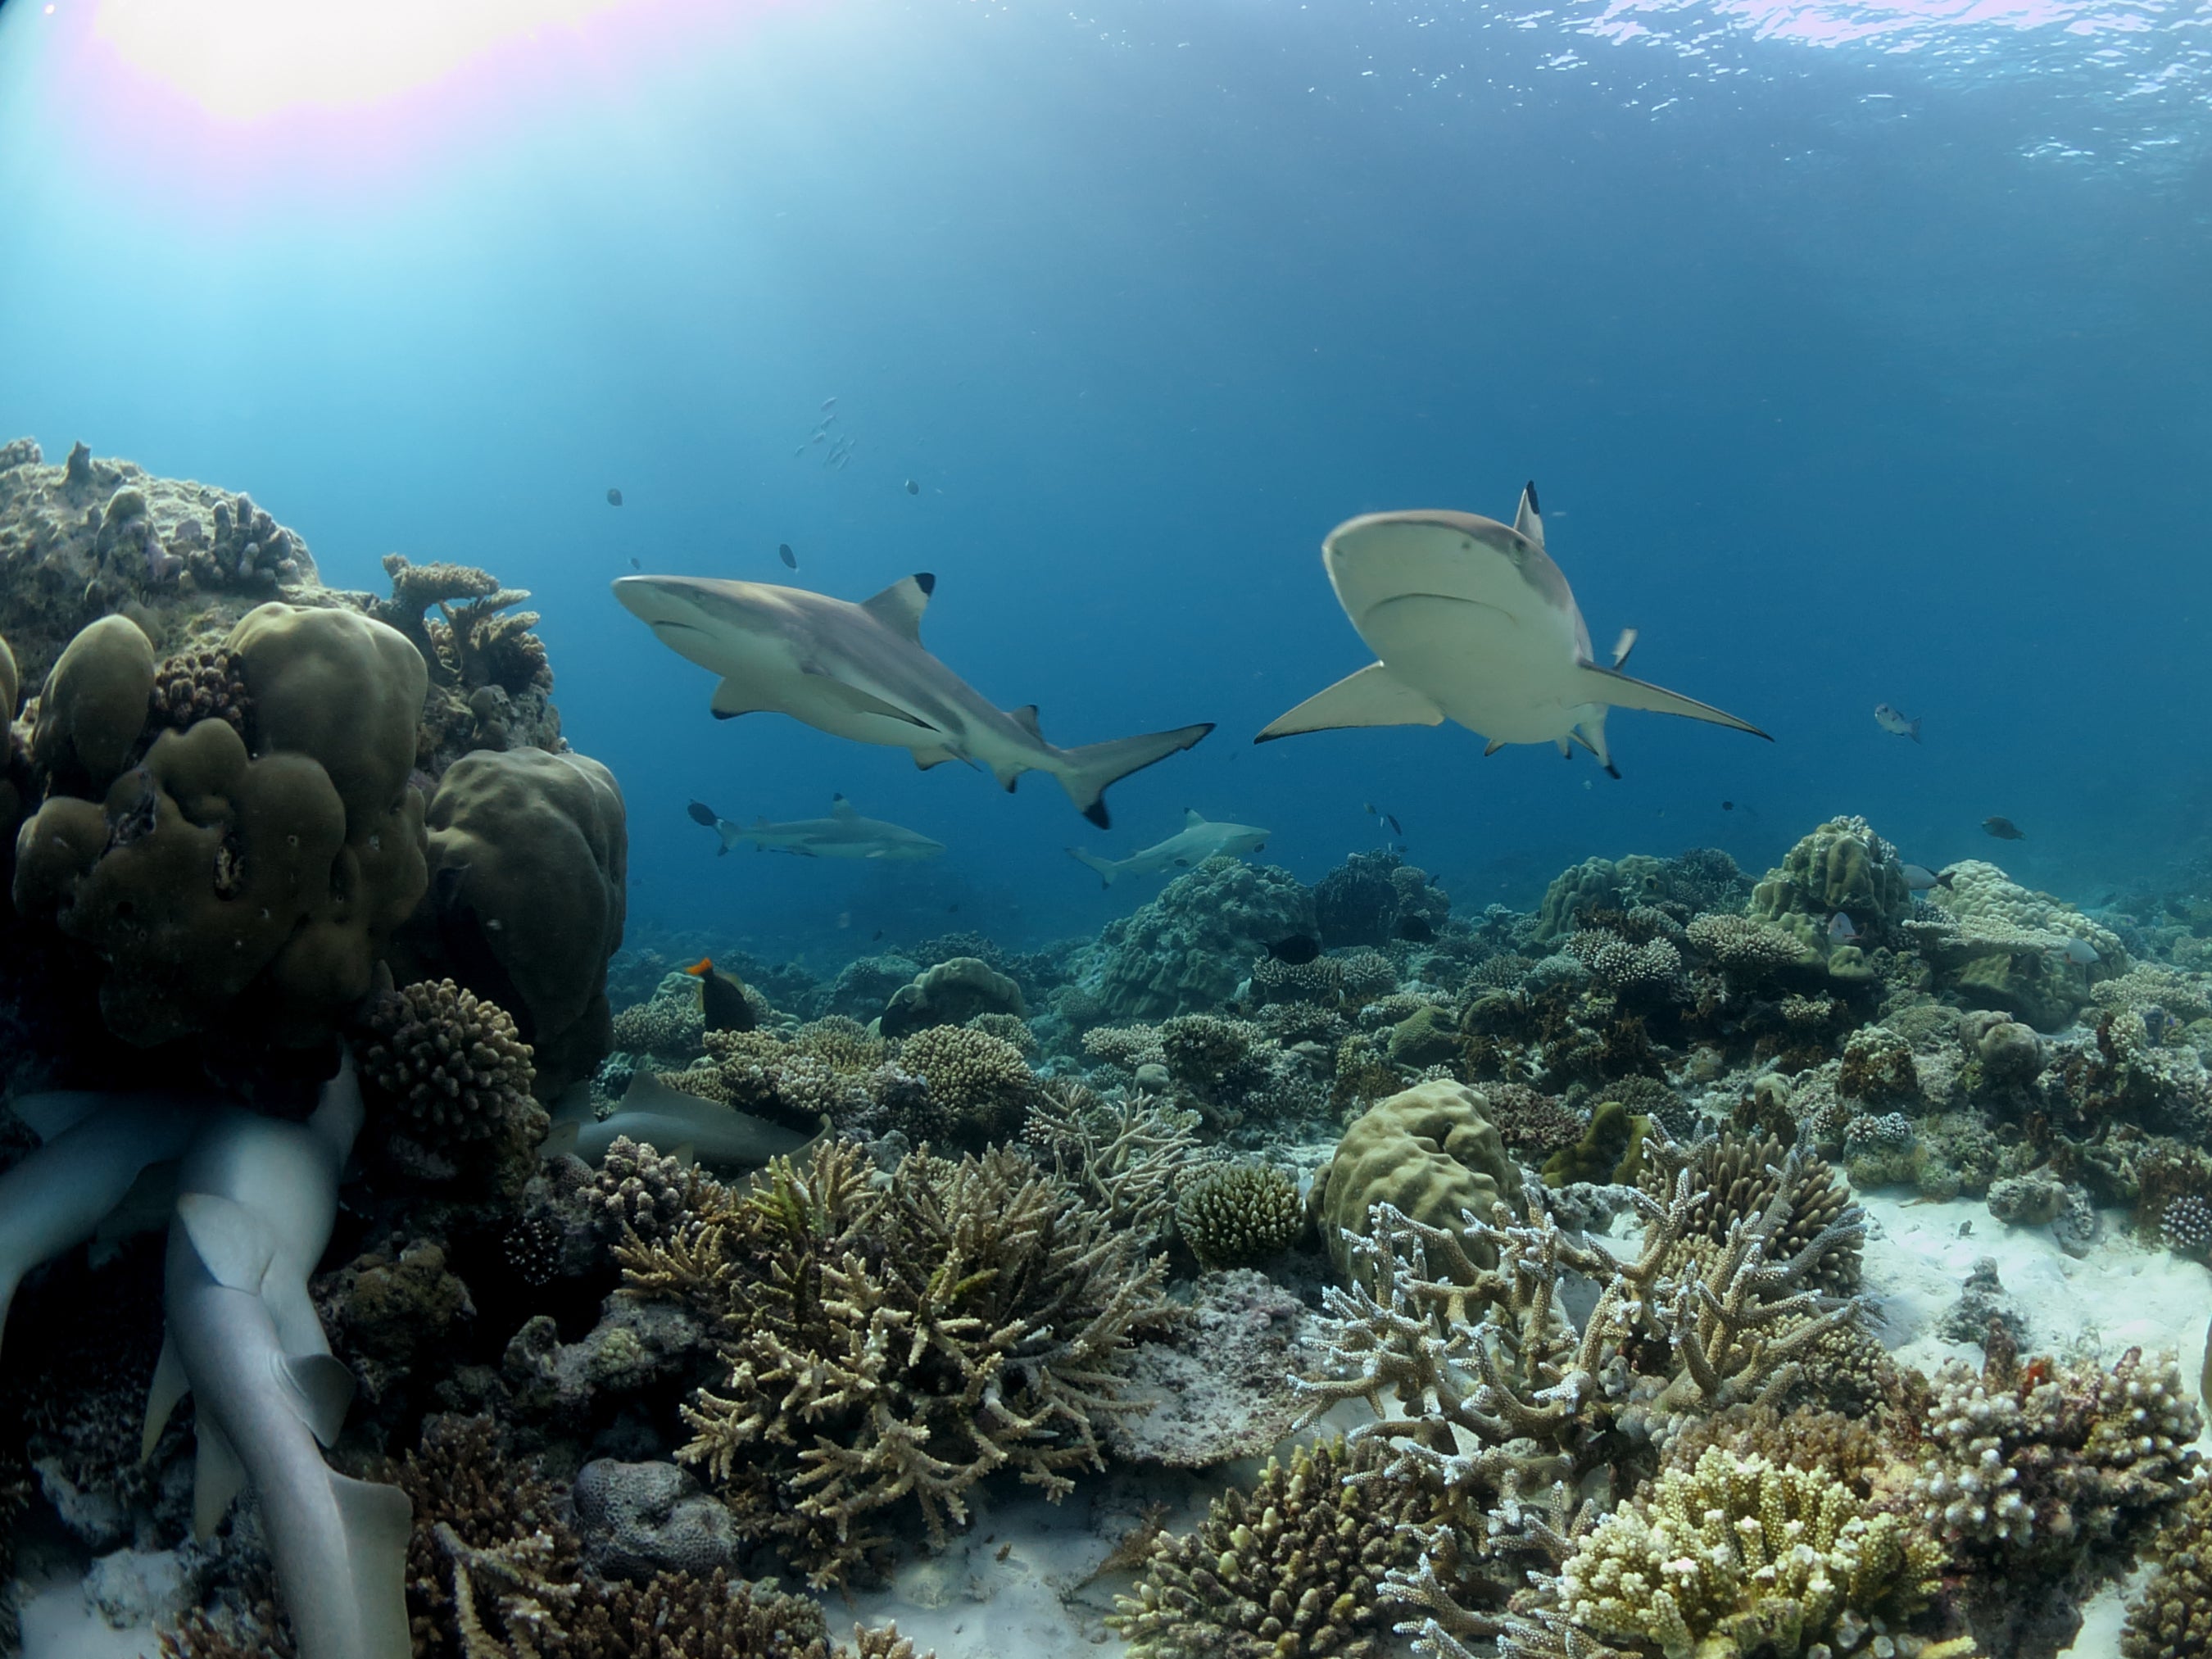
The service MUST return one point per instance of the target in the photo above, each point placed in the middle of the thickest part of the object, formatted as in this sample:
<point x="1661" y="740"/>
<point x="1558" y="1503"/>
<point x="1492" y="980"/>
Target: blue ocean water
<point x="1860" y="355"/>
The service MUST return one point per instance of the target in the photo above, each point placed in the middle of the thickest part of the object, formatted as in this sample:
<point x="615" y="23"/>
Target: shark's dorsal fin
<point x="1026" y="718"/>
<point x="842" y="808"/>
<point x="233" y="1244"/>
<point x="169" y="1386"/>
<point x="899" y="607"/>
<point x="1528" y="518"/>
<point x="1191" y="818"/>
<point x="321" y="1389"/>
<point x="217" y="1477"/>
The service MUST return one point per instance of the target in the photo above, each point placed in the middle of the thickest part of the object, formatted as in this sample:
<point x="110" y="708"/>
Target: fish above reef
<point x="670" y="1121"/>
<point x="1919" y="878"/>
<point x="1473" y="624"/>
<point x="614" y="498"/>
<point x="1297" y="951"/>
<point x="723" y="1003"/>
<point x="1415" y="930"/>
<point x="1895" y="723"/>
<point x="790" y="559"/>
<point x="912" y="488"/>
<point x="1198" y="839"/>
<point x="1396" y="829"/>
<point x="860" y="672"/>
<point x="2004" y="829"/>
<point x="843" y="835"/>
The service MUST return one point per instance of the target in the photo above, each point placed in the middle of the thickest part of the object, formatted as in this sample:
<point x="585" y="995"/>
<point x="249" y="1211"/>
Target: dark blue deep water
<point x="1861" y="356"/>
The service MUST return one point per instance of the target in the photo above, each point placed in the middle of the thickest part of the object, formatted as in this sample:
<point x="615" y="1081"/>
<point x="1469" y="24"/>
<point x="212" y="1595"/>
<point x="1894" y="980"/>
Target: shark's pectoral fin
<point x="1566" y="748"/>
<point x="1373" y="696"/>
<point x="233" y="1244"/>
<point x="731" y="699"/>
<point x="899" y="607"/>
<point x="218" y="1477"/>
<point x="926" y="758"/>
<point x="1008" y="776"/>
<point x="170" y="1384"/>
<point x="321" y="1391"/>
<point x="1610" y="687"/>
<point x="1493" y="747"/>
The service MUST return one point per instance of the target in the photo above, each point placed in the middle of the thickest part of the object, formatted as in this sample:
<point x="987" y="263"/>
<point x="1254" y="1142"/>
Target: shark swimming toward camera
<point x="1198" y="840"/>
<point x="1473" y="624"/>
<point x="843" y="835"/>
<point x="860" y="672"/>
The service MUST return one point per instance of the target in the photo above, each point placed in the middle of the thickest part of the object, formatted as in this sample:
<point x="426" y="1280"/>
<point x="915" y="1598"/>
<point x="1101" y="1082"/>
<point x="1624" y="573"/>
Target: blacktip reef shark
<point x="1473" y="623"/>
<point x="1198" y="839"/>
<point x="843" y="835"/>
<point x="860" y="672"/>
<point x="255" y="1197"/>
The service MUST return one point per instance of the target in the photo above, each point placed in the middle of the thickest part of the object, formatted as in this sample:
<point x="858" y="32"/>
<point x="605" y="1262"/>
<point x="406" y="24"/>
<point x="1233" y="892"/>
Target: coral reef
<point x="2173" y="1618"/>
<point x="1429" y="1152"/>
<point x="1237" y="1215"/>
<point x="950" y="994"/>
<point x="1188" y="950"/>
<point x="447" y="1069"/>
<point x="1290" y="1568"/>
<point x="1016" y="1305"/>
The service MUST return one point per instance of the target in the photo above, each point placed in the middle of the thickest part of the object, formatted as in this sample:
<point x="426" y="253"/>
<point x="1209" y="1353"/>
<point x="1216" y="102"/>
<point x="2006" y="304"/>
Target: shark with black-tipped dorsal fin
<point x="845" y="834"/>
<point x="1473" y="623"/>
<point x="860" y="672"/>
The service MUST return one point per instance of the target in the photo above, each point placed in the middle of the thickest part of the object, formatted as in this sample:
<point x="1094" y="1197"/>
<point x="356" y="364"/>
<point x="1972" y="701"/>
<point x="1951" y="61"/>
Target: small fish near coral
<point x="2004" y="829"/>
<point x="1894" y="723"/>
<point x="722" y="1001"/>
<point x="1295" y="951"/>
<point x="1473" y="624"/>
<point x="1919" y="879"/>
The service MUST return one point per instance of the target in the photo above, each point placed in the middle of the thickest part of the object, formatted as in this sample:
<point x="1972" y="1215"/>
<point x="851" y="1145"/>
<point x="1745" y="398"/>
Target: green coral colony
<point x="1526" y="1249"/>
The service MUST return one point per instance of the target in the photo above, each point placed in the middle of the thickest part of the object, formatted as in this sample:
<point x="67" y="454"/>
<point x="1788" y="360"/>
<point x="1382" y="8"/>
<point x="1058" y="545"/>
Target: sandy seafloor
<point x="1021" y="1583"/>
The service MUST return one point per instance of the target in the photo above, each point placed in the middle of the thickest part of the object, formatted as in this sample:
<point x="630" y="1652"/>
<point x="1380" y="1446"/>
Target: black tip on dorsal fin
<point x="1529" y="491"/>
<point x="925" y="581"/>
<point x="1612" y="771"/>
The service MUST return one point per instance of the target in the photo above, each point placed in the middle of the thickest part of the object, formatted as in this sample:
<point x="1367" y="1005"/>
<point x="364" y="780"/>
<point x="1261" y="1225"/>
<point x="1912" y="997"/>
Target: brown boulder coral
<point x="952" y="994"/>
<point x="94" y="706"/>
<point x="1427" y="1150"/>
<point x="529" y="853"/>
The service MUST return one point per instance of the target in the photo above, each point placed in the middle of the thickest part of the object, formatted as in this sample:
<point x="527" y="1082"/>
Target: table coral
<point x="888" y="1344"/>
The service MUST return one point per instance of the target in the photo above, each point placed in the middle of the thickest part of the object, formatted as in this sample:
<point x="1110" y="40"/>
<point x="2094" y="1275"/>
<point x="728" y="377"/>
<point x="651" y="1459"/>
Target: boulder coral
<point x="1841" y="867"/>
<point x="529" y="853"/>
<point x="1428" y="1151"/>
<point x="1186" y="951"/>
<point x="952" y="994"/>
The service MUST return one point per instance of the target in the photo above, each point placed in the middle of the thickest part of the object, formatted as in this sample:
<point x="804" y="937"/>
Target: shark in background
<point x="1198" y="839"/>
<point x="860" y="672"/>
<point x="1473" y="623"/>
<point x="843" y="835"/>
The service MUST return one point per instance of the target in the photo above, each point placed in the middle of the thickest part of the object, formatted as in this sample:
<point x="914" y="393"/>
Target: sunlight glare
<point x="244" y="60"/>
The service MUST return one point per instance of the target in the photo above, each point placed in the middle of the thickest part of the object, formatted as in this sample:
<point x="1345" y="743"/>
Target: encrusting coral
<point x="1288" y="1571"/>
<point x="893" y="1342"/>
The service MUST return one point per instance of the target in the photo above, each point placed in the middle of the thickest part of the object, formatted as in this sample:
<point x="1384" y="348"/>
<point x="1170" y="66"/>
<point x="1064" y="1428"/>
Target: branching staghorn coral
<point x="1124" y="1152"/>
<point x="897" y="1341"/>
<point x="1507" y="1407"/>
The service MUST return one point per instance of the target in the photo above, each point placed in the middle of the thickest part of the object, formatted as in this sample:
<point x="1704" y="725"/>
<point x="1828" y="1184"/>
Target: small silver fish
<point x="2079" y="951"/>
<point x="1918" y="879"/>
<point x="1894" y="723"/>
<point x="1841" y="931"/>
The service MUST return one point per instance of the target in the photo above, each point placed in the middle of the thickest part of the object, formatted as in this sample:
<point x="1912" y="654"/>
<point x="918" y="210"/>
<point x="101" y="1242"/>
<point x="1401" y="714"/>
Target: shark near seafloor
<point x="860" y="672"/>
<point x="1473" y="623"/>
<point x="1198" y="839"/>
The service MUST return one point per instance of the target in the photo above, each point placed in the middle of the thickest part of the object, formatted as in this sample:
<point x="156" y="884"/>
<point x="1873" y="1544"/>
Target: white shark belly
<point x="1487" y="670"/>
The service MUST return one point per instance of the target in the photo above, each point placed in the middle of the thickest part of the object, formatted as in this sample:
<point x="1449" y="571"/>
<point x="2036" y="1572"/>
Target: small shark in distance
<point x="1198" y="839"/>
<point x="843" y="835"/>
<point x="1473" y="624"/>
<point x="860" y="672"/>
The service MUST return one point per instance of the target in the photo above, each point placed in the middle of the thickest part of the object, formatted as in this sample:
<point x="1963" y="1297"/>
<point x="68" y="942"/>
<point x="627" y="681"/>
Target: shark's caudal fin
<point x="1611" y="687"/>
<point x="1084" y="772"/>
<point x="1106" y="868"/>
<point x="1373" y="696"/>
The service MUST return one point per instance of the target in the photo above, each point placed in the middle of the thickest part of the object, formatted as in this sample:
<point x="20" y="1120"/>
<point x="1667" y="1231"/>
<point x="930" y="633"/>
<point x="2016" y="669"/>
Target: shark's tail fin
<point x="1107" y="868"/>
<point x="1086" y="772"/>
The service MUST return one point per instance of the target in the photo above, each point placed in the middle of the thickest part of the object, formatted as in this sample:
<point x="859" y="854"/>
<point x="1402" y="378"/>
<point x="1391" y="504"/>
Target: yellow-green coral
<point x="981" y="1084"/>
<point x="1428" y="1150"/>
<point x="2173" y="1620"/>
<point x="1736" y="1557"/>
<point x="1233" y="1217"/>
